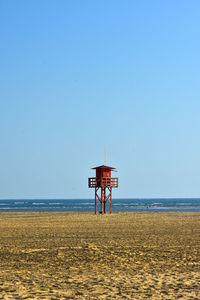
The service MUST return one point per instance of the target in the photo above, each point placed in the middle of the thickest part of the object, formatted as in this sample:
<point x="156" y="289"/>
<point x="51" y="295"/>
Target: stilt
<point x="104" y="200"/>
<point x="110" y="200"/>
<point x="95" y="210"/>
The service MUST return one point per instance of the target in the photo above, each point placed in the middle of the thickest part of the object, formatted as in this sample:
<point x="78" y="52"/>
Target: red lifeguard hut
<point x="104" y="182"/>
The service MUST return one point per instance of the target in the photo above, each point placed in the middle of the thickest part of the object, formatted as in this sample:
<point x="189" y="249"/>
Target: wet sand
<point x="83" y="256"/>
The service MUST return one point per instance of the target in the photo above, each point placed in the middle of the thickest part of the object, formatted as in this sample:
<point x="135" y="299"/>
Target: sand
<point x="83" y="256"/>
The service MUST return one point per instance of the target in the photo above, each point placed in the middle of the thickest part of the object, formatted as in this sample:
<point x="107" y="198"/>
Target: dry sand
<point x="83" y="256"/>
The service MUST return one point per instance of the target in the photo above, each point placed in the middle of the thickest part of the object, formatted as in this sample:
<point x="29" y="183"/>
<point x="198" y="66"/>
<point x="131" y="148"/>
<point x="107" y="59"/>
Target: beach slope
<point x="84" y="256"/>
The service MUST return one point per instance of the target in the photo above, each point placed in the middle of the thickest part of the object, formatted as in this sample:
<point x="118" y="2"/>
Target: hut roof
<point x="104" y="167"/>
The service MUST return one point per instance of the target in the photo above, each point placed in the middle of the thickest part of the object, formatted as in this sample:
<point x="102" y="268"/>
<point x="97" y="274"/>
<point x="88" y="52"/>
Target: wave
<point x="88" y="205"/>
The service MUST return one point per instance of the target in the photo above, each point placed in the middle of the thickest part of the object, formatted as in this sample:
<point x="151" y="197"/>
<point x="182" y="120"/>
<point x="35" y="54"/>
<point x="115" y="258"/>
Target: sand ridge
<point x="83" y="256"/>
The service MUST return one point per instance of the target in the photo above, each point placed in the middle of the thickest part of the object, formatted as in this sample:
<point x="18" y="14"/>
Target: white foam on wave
<point x="6" y="208"/>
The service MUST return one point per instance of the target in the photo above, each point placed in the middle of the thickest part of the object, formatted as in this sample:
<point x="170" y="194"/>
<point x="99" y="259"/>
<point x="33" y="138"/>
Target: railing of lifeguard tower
<point x="103" y="182"/>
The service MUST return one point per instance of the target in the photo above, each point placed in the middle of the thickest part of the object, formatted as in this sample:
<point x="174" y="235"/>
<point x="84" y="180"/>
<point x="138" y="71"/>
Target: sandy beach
<point x="83" y="256"/>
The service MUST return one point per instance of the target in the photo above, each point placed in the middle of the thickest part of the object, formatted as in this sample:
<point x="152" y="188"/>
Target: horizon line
<point x="127" y="198"/>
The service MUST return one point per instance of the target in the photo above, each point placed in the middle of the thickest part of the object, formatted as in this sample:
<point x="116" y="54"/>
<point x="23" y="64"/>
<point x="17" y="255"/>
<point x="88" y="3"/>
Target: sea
<point x="87" y="205"/>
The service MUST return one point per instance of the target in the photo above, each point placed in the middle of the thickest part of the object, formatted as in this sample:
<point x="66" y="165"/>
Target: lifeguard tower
<point x="104" y="182"/>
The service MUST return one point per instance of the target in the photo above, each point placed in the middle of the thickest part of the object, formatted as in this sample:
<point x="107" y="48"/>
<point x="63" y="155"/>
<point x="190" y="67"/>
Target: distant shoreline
<point x="71" y="199"/>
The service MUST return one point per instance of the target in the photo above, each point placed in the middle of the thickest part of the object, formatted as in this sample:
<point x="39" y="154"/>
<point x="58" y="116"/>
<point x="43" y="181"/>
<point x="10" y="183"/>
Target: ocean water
<point x="84" y="205"/>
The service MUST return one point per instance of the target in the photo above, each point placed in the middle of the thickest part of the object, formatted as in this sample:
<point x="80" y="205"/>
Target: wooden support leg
<point x="110" y="200"/>
<point x="104" y="200"/>
<point x="95" y="210"/>
<point x="101" y="200"/>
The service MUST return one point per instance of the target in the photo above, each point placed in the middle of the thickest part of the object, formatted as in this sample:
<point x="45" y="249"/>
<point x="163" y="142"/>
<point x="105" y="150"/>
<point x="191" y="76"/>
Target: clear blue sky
<point x="77" y="77"/>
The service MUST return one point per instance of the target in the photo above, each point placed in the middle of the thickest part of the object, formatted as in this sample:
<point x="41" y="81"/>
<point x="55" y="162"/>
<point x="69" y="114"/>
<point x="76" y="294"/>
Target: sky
<point x="81" y="78"/>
